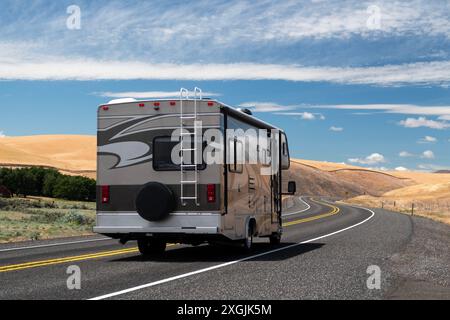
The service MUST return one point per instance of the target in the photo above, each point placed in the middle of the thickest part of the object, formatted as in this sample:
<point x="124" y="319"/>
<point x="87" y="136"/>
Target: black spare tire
<point x="154" y="201"/>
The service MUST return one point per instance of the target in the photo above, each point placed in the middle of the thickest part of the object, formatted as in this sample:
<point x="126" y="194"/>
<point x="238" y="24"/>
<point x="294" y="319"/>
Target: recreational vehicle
<point x="188" y="170"/>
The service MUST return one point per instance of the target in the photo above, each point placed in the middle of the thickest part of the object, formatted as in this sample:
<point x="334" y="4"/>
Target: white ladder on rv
<point x="187" y="136"/>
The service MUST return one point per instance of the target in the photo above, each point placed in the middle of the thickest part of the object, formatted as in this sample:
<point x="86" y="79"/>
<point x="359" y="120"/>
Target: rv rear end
<point x="142" y="192"/>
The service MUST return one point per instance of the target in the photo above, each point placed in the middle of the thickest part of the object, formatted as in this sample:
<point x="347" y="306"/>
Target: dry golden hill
<point x="341" y="181"/>
<point x="425" y="194"/>
<point x="76" y="154"/>
<point x="73" y="154"/>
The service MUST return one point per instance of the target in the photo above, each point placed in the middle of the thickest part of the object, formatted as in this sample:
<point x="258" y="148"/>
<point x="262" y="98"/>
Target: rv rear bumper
<point x="179" y="223"/>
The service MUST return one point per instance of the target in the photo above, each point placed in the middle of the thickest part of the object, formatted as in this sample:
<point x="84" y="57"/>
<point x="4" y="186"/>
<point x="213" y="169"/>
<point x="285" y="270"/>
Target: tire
<point x="154" y="201"/>
<point x="275" y="239"/>
<point x="151" y="247"/>
<point x="248" y="241"/>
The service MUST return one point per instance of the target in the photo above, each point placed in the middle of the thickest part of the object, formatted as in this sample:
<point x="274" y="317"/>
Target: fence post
<point x="412" y="209"/>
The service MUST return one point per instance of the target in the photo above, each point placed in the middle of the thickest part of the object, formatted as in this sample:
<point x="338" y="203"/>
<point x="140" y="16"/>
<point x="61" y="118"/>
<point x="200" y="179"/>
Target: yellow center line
<point x="335" y="210"/>
<point x="41" y="263"/>
<point x="96" y="255"/>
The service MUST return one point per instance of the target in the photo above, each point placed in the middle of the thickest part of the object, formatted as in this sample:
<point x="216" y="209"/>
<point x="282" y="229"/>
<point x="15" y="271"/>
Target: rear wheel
<point x="248" y="241"/>
<point x="275" y="239"/>
<point x="151" y="247"/>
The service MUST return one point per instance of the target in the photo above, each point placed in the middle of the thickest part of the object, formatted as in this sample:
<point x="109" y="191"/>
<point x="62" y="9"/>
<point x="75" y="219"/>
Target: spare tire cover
<point x="154" y="201"/>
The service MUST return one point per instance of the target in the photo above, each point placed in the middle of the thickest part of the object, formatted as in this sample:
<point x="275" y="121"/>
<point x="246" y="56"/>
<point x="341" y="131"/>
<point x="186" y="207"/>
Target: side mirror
<point x="292" y="187"/>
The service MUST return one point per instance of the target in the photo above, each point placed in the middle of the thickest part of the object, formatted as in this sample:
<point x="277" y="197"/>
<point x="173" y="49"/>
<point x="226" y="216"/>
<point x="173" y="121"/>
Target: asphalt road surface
<point x="329" y="251"/>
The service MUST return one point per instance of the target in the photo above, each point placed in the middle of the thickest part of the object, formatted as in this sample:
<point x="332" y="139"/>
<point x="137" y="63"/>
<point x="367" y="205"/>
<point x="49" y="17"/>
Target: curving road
<point x="326" y="251"/>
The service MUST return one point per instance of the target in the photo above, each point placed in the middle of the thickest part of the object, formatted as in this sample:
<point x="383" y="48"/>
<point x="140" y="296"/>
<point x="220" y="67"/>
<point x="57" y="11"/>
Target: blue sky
<point x="366" y="83"/>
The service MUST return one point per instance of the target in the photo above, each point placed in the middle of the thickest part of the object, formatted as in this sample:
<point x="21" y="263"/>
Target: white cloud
<point x="424" y="122"/>
<point x="2" y="134"/>
<point x="427" y="139"/>
<point x="428" y="154"/>
<point x="336" y="129"/>
<point x="405" y="154"/>
<point x="266" y="106"/>
<point x="54" y="68"/>
<point x="304" y="115"/>
<point x="204" y="40"/>
<point x="374" y="158"/>
<point x="432" y="167"/>
<point x="149" y="94"/>
<point x="426" y="110"/>
<point x="307" y="116"/>
<point x="402" y="169"/>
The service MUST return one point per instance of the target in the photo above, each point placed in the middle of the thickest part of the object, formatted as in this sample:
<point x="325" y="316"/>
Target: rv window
<point x="285" y="160"/>
<point x="236" y="156"/>
<point x="162" y="155"/>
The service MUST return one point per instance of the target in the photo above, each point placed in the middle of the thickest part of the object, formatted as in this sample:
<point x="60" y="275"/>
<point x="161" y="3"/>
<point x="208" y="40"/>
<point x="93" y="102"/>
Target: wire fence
<point x="412" y="207"/>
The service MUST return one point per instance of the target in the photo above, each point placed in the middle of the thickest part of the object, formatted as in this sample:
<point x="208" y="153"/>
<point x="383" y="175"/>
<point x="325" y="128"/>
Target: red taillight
<point x="141" y="105"/>
<point x="105" y="194"/>
<point x="210" y="104"/>
<point x="211" y="192"/>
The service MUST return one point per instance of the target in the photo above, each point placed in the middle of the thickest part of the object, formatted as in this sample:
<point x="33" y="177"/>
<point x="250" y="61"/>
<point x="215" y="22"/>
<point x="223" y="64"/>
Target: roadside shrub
<point x="38" y="181"/>
<point x="45" y="216"/>
<point x="77" y="218"/>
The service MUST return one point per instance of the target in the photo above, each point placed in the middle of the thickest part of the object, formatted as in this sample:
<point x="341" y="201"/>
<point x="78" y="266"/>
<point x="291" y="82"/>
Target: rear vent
<point x="246" y="111"/>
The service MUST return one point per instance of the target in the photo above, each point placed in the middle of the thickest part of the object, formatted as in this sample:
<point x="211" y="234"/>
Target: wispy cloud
<point x="373" y="159"/>
<point x="304" y="115"/>
<point x="426" y="110"/>
<point x="428" y="155"/>
<point x="149" y="94"/>
<point x="336" y="129"/>
<point x="432" y="167"/>
<point x="405" y="154"/>
<point x="427" y="139"/>
<point x="266" y="106"/>
<point x="54" y="68"/>
<point x="215" y="40"/>
<point x="424" y="122"/>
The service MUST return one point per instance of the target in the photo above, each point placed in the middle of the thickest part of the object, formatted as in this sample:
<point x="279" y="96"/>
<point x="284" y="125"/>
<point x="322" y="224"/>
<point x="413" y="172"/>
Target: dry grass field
<point x="429" y="192"/>
<point x="71" y="154"/>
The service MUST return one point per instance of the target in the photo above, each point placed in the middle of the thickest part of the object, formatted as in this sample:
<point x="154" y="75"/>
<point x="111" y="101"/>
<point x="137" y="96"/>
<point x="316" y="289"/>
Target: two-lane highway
<point x="325" y="253"/>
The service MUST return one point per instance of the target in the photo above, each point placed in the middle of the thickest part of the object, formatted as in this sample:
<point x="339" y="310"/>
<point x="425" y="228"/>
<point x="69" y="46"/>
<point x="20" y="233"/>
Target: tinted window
<point x="162" y="155"/>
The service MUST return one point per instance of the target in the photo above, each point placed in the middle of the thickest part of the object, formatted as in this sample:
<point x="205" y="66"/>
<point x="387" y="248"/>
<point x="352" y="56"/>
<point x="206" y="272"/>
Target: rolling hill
<point x="71" y="154"/>
<point x="76" y="155"/>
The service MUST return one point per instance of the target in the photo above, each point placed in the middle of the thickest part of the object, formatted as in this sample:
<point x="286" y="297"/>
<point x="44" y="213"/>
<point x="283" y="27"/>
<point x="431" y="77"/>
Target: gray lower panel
<point x="131" y="222"/>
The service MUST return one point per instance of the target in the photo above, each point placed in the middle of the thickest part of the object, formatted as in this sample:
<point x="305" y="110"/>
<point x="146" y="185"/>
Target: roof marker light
<point x="210" y="104"/>
<point x="106" y="108"/>
<point x="172" y="103"/>
<point x="141" y="105"/>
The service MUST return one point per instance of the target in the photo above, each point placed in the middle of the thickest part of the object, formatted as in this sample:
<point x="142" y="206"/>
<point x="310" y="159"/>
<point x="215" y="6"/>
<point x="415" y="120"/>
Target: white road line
<point x="185" y="275"/>
<point x="291" y="214"/>
<point x="53" y="244"/>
